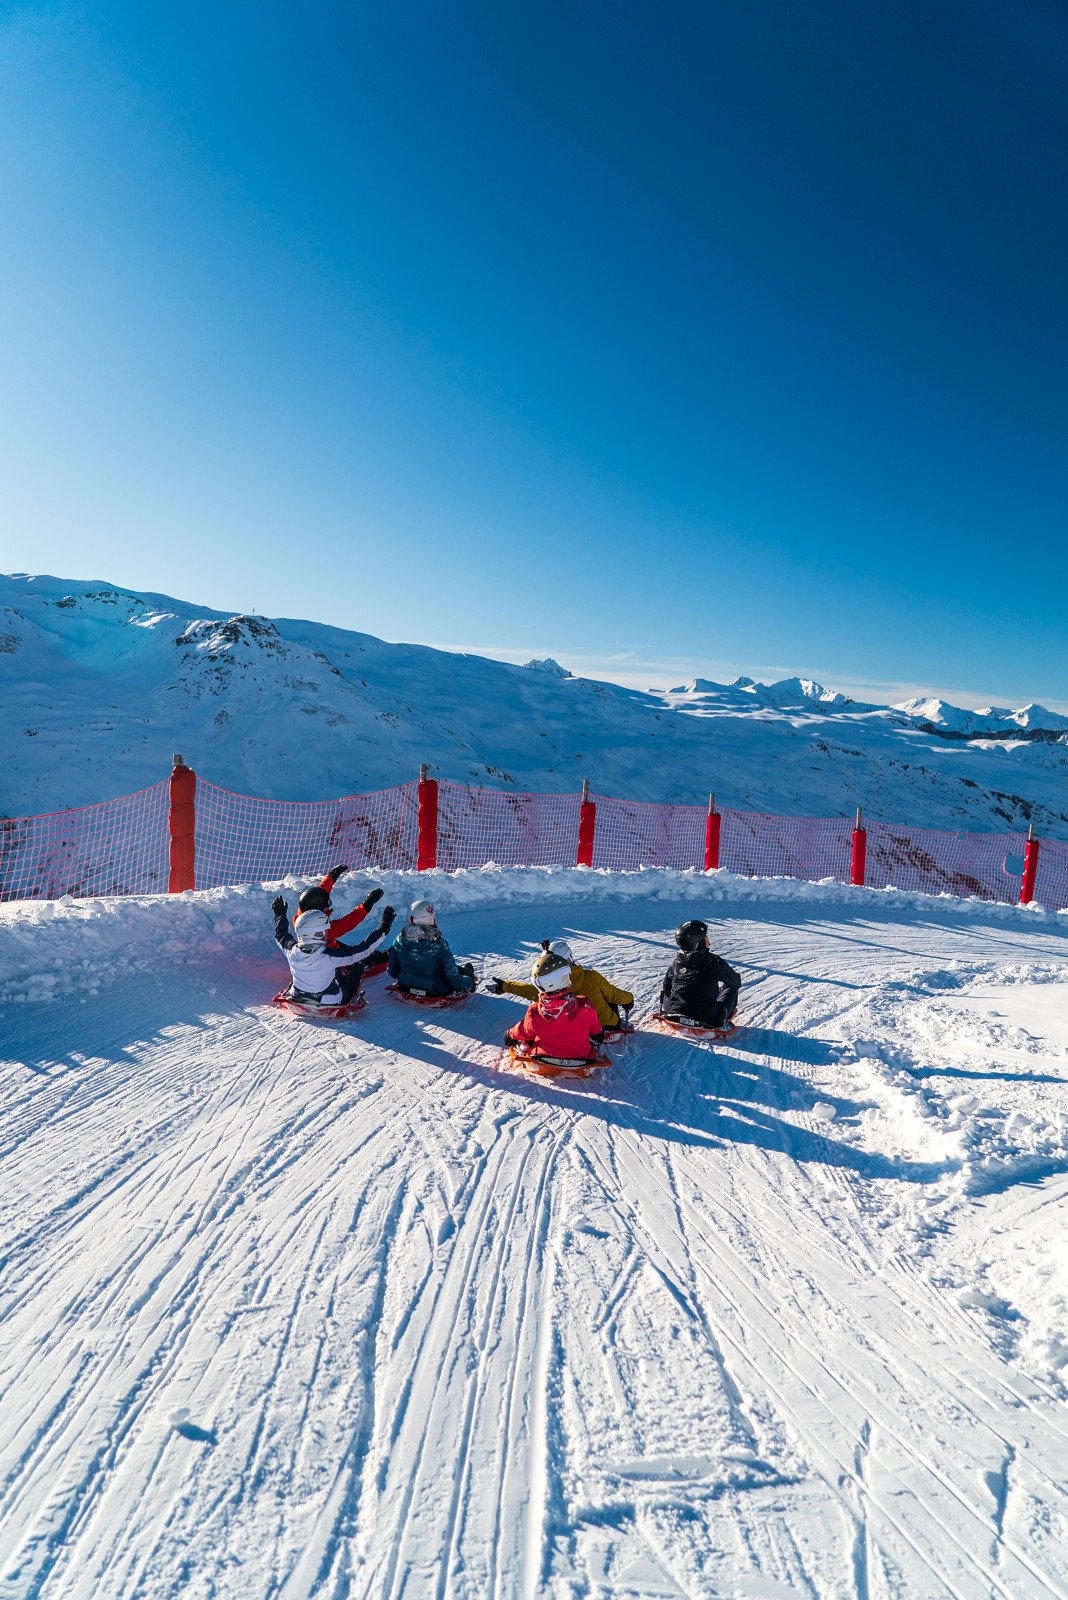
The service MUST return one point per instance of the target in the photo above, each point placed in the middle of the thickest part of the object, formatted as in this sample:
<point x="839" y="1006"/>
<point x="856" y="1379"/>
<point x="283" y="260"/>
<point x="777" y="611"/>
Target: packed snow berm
<point x="307" y="1310"/>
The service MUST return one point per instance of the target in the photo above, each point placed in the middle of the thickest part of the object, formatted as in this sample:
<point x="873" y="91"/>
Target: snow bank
<point x="54" y="947"/>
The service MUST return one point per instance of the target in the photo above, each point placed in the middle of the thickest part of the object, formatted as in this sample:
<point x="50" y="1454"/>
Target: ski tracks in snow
<point x="290" y="1311"/>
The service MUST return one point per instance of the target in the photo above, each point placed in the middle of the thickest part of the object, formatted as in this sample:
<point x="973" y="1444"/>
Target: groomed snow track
<point x="291" y="1310"/>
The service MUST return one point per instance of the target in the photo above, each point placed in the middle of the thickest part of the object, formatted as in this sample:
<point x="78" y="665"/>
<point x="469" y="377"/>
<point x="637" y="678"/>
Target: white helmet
<point x="310" y="928"/>
<point x="551" y="973"/>
<point x="422" y="914"/>
<point x="559" y="947"/>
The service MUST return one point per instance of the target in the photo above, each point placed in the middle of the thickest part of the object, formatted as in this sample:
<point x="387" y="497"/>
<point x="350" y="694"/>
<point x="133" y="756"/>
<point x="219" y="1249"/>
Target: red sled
<point x="692" y="1030"/>
<point x="373" y="968"/>
<point x="423" y="997"/>
<point x="558" y="1066"/>
<point x="301" y="1008"/>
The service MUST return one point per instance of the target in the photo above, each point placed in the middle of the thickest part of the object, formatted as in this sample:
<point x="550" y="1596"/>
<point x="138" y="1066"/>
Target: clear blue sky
<point x="720" y="336"/>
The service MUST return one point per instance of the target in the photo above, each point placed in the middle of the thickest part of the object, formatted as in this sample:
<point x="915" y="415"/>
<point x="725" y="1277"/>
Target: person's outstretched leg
<point x="350" y="979"/>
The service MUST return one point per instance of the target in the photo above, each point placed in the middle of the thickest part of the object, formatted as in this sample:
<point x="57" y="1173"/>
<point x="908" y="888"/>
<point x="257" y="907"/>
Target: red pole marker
<point x="860" y="851"/>
<point x="181" y="825"/>
<point x="427" y="825"/>
<point x="712" y="826"/>
<point x="1030" y="871"/>
<point x="587" y="827"/>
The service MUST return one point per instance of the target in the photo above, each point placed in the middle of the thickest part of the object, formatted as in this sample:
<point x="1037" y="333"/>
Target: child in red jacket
<point x="559" y="1023"/>
<point x="318" y="899"/>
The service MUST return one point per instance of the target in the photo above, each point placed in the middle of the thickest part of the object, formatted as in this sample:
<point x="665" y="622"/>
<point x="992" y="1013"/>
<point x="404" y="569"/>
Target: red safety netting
<point x="1051" y="880"/>
<point x="515" y="830"/>
<point x="635" y="833"/>
<point x="786" y="847"/>
<point x="988" y="865"/>
<point x="117" y="847"/>
<point x="122" y="846"/>
<point x="243" y="840"/>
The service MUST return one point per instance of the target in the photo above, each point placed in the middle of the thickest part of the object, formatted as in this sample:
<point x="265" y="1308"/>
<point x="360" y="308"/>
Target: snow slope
<point x="296" y="1311"/>
<point x="99" y="685"/>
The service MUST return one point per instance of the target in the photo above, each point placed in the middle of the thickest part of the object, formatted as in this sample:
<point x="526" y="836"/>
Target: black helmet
<point x="314" y="899"/>
<point x="691" y="935"/>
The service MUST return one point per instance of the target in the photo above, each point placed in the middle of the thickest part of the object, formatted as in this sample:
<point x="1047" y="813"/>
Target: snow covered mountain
<point x="100" y="684"/>
<point x="993" y="719"/>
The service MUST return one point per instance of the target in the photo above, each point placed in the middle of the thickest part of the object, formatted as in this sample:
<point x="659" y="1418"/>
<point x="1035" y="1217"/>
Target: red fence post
<point x="587" y="826"/>
<point x="181" y="825"/>
<point x="860" y="850"/>
<point x="1030" y="871"/>
<point x="712" y="825"/>
<point x="426" y="857"/>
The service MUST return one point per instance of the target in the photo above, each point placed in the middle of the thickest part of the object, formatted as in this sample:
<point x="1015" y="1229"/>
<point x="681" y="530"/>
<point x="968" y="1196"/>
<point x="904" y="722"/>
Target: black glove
<point x="388" y="916"/>
<point x="335" y="872"/>
<point x="279" y="906"/>
<point x="495" y="985"/>
<point x="372" y="899"/>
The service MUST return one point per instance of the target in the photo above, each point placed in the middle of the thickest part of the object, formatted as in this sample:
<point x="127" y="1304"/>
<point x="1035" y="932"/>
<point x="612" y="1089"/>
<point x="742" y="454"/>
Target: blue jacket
<point x="420" y="958"/>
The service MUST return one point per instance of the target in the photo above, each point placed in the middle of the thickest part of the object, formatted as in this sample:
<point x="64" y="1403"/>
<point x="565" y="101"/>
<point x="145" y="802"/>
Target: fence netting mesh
<point x="118" y="847"/>
<point x="240" y="839"/>
<point x="514" y="830"/>
<point x="989" y="865"/>
<point x="760" y="846"/>
<point x="122" y="846"/>
<point x="633" y="833"/>
<point x="1051" y="880"/>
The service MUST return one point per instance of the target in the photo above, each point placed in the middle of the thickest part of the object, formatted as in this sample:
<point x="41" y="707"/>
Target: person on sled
<point x="699" y="986"/>
<point x="608" y="1001"/>
<point x="323" y="972"/>
<point x="420" y="958"/>
<point x="318" y="898"/>
<point x="560" y="1023"/>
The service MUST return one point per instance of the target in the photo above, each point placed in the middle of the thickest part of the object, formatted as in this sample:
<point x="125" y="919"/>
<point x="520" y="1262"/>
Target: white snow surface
<point x="99" y="685"/>
<point x="292" y="1309"/>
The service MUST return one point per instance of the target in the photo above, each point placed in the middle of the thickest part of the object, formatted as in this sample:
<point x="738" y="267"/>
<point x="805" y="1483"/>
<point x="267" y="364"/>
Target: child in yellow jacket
<point x="604" y="997"/>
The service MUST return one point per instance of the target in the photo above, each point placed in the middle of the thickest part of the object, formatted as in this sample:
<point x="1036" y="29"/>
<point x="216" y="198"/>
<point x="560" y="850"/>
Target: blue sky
<point x="674" y="339"/>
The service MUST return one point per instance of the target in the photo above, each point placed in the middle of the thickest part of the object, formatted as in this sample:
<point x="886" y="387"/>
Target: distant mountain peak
<point x="217" y="638"/>
<point x="988" y="719"/>
<point x="549" y="666"/>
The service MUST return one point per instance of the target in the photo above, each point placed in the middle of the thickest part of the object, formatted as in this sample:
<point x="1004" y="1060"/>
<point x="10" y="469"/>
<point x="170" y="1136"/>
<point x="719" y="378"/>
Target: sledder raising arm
<point x="323" y="972"/>
<point x="320" y="898"/>
<point x="608" y="1001"/>
<point x="561" y="1024"/>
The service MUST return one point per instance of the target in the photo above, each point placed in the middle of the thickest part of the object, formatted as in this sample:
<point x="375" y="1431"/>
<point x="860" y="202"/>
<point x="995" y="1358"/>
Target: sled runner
<point x="687" y="1026"/>
<point x="308" y="1008"/>
<point x="557" y="1066"/>
<point x="423" y="997"/>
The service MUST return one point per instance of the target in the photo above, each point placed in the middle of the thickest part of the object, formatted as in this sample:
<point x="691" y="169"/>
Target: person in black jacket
<point x="699" y="987"/>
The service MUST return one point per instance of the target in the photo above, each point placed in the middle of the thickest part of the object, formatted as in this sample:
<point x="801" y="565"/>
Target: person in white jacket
<point x="323" y="973"/>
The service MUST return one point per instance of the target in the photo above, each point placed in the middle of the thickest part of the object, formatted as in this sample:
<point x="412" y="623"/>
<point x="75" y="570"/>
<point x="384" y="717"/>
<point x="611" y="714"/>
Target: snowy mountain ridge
<point x="100" y="684"/>
<point x="991" y="719"/>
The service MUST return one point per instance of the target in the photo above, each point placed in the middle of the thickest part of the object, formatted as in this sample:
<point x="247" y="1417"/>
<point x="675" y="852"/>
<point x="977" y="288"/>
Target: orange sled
<point x="693" y="1030"/>
<point x="301" y="1008"/>
<point x="558" y="1066"/>
<point x="423" y="997"/>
